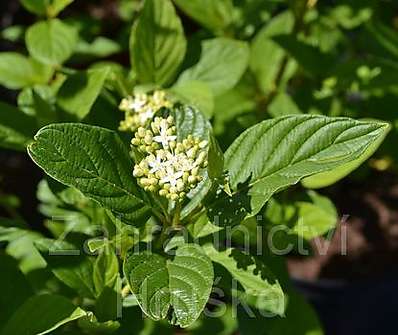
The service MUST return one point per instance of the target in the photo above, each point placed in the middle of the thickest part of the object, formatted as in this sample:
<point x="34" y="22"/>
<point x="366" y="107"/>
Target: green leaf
<point x="190" y="121"/>
<point x="106" y="270"/>
<point x="107" y="305"/>
<point x="385" y="36"/>
<point x="310" y="217"/>
<point x="196" y="93"/>
<point x="222" y="63"/>
<point x="202" y="227"/>
<point x="14" y="288"/>
<point x="180" y="286"/>
<point x="100" y="47"/>
<point x="283" y="105"/>
<point x="316" y="217"/>
<point x="91" y="326"/>
<point x="16" y="128"/>
<point x="255" y="278"/>
<point x="266" y="56"/>
<point x="310" y="58"/>
<point x="230" y="106"/>
<point x="148" y="279"/>
<point x="13" y="33"/>
<point x="191" y="281"/>
<point x="96" y="162"/>
<point x="42" y="314"/>
<point x="213" y="15"/>
<point x="69" y="265"/>
<point x="328" y="178"/>
<point x="80" y="91"/>
<point x="157" y="44"/>
<point x="300" y="319"/>
<point x="18" y="71"/>
<point x="221" y="321"/>
<point x="56" y="6"/>
<point x="35" y="6"/>
<point x="280" y="152"/>
<point x="42" y="7"/>
<point x="51" y="42"/>
<point x="350" y="16"/>
<point x="31" y="99"/>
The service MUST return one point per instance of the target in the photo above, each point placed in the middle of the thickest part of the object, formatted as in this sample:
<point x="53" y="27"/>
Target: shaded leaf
<point x="310" y="58"/>
<point x="157" y="44"/>
<point x="29" y="320"/>
<point x="106" y="270"/>
<point x="255" y="278"/>
<point x="79" y="92"/>
<point x="14" y="288"/>
<point x="16" y="128"/>
<point x="266" y="55"/>
<point x="69" y="264"/>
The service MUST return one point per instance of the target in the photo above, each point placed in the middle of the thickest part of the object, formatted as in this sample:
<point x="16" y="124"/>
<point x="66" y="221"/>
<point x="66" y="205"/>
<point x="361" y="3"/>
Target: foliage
<point x="158" y="141"/>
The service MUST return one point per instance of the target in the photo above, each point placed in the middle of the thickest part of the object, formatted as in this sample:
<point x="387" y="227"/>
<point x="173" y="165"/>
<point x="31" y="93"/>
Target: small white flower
<point x="163" y="136"/>
<point x="155" y="163"/>
<point x="145" y="116"/>
<point x="172" y="177"/>
<point x="138" y="103"/>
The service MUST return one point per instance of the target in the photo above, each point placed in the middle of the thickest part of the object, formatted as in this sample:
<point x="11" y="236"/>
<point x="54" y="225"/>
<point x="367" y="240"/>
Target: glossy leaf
<point x="157" y="44"/>
<point x="190" y="121"/>
<point x="280" y="152"/>
<point x="96" y="162"/>
<point x="148" y="278"/>
<point x="202" y="227"/>
<point x="328" y="178"/>
<point x="191" y="281"/>
<point x="180" y="286"/>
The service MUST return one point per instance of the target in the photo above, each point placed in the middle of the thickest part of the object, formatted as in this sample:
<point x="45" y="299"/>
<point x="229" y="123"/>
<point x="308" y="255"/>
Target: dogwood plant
<point x="149" y="225"/>
<point x="173" y="175"/>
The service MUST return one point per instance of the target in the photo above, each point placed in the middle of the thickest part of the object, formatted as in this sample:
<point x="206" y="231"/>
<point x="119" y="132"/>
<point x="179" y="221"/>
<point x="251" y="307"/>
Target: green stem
<point x="177" y="214"/>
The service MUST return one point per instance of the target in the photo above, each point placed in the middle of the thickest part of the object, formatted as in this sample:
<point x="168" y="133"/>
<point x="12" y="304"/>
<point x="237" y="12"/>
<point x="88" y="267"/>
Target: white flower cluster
<point x="140" y="108"/>
<point x="169" y="168"/>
